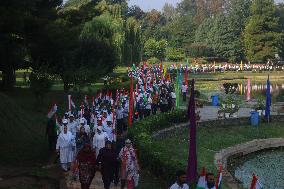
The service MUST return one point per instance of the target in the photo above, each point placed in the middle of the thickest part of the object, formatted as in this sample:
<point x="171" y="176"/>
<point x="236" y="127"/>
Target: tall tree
<point x="18" y="22"/>
<point x="280" y="14"/>
<point x="262" y="33"/>
<point x="237" y="18"/>
<point x="133" y="42"/>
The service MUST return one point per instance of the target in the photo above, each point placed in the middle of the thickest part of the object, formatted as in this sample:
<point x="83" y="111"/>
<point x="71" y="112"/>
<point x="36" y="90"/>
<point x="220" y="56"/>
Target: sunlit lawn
<point x="212" y="140"/>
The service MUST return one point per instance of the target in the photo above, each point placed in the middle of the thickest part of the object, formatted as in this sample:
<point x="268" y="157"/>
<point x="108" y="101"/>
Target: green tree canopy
<point x="262" y="34"/>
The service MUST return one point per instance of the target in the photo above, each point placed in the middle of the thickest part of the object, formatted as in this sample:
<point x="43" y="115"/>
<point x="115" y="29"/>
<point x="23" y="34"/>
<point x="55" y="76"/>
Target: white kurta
<point x="109" y="132"/>
<point x="73" y="127"/>
<point x="66" y="144"/>
<point x="99" y="141"/>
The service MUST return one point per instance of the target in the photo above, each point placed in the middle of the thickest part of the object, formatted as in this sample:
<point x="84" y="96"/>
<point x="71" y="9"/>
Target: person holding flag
<point x="181" y="181"/>
<point x="51" y="128"/>
<point x="201" y="184"/>
<point x="219" y="178"/>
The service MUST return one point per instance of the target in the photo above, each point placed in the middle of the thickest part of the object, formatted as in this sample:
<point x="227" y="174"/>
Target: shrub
<point x="200" y="50"/>
<point x="40" y="84"/>
<point x="140" y="132"/>
<point x="153" y="60"/>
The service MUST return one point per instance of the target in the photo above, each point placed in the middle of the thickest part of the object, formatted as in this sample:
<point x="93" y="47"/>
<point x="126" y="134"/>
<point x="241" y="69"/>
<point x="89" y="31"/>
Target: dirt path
<point x="96" y="184"/>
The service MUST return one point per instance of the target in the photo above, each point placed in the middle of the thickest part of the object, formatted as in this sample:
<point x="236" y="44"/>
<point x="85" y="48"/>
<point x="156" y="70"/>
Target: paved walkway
<point x="211" y="112"/>
<point x="96" y="184"/>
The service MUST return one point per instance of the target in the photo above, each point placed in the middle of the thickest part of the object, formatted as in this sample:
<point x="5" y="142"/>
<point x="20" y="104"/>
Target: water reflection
<point x="245" y="88"/>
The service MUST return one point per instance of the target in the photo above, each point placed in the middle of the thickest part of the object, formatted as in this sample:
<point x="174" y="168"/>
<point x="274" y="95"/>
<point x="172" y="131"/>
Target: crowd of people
<point x="93" y="136"/>
<point x="225" y="67"/>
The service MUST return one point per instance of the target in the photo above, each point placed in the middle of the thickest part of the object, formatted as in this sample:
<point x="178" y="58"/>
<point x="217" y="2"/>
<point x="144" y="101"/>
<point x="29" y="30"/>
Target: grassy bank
<point x="212" y="140"/>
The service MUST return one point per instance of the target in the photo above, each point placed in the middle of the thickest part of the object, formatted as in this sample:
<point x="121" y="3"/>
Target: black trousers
<point x="107" y="177"/>
<point x="184" y="97"/>
<point x="116" y="172"/>
<point x="141" y="113"/>
<point x="147" y="112"/>
<point x="120" y="125"/>
<point x="154" y="109"/>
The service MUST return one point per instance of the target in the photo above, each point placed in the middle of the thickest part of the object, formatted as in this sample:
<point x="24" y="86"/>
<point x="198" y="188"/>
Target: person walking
<point x="65" y="147"/>
<point x="129" y="166"/>
<point x="51" y="134"/>
<point x="106" y="161"/>
<point x="181" y="181"/>
<point x="81" y="139"/>
<point x="86" y="160"/>
<point x="184" y="91"/>
<point x="99" y="139"/>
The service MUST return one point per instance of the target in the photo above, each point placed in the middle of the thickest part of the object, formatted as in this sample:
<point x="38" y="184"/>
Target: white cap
<point x="82" y="121"/>
<point x="65" y="121"/>
<point x="71" y="115"/>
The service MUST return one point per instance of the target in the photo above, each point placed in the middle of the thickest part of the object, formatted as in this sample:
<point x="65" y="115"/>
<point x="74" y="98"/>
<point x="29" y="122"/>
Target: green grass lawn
<point x="212" y="140"/>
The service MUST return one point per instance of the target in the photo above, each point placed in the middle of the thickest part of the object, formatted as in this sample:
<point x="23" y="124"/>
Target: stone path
<point x="211" y="112"/>
<point x="96" y="184"/>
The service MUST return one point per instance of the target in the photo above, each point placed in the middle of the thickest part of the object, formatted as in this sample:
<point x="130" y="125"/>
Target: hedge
<point x="140" y="132"/>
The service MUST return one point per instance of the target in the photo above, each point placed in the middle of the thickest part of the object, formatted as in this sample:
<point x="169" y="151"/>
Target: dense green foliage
<point x="141" y="133"/>
<point x="79" y="41"/>
<point x="262" y="34"/>
<point x="216" y="28"/>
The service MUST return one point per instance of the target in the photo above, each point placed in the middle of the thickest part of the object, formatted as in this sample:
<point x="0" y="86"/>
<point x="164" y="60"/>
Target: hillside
<point x="21" y="133"/>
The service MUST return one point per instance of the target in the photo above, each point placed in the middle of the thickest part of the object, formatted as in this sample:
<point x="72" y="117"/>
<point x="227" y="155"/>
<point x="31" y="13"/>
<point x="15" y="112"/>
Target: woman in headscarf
<point x="129" y="166"/>
<point x="86" y="160"/>
<point x="81" y="139"/>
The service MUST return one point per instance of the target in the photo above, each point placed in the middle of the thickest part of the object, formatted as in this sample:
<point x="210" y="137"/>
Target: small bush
<point x="153" y="60"/>
<point x="140" y="132"/>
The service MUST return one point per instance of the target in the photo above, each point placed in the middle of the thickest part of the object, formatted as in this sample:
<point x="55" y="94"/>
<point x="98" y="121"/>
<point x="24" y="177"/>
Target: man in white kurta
<point x="65" y="147"/>
<point x="72" y="125"/>
<point x="99" y="140"/>
<point x="109" y="128"/>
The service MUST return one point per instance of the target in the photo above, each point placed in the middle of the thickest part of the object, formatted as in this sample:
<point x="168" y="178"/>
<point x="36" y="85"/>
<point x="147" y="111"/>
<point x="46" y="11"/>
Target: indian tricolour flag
<point x="202" y="180"/>
<point x="52" y="111"/>
<point x="219" y="179"/>
<point x="255" y="184"/>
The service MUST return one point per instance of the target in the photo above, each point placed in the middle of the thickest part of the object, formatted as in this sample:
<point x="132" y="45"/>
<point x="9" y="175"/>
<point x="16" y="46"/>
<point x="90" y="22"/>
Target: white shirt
<point x="73" y="127"/>
<point x="184" y="88"/>
<point x="176" y="186"/>
<point x="173" y="94"/>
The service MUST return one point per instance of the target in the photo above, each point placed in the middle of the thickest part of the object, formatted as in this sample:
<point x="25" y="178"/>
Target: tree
<point x="174" y="54"/>
<point x="132" y="43"/>
<point x="155" y="49"/>
<point x="17" y="21"/>
<point x="136" y="12"/>
<point x="280" y="14"/>
<point x="97" y="54"/>
<point x="262" y="34"/>
<point x="238" y="15"/>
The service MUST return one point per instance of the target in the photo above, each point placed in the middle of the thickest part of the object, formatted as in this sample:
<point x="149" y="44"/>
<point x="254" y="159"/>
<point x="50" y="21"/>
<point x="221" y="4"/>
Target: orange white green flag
<point x="202" y="180"/>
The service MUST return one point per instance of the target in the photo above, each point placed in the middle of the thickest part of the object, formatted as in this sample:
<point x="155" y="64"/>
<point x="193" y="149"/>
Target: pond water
<point x="257" y="89"/>
<point x="268" y="166"/>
